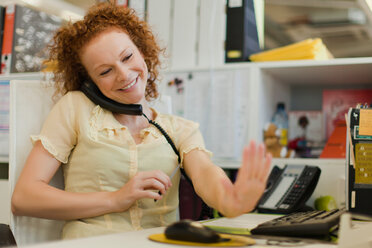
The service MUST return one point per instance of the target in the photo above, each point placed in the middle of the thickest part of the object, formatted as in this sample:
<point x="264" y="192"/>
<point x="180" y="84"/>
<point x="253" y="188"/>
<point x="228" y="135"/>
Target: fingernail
<point x="159" y="194"/>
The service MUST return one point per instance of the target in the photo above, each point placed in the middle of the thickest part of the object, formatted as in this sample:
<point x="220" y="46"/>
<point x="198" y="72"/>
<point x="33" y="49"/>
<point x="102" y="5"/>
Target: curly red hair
<point x="69" y="72"/>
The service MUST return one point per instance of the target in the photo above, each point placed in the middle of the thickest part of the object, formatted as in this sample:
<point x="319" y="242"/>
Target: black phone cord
<point x="206" y="211"/>
<point x="170" y="141"/>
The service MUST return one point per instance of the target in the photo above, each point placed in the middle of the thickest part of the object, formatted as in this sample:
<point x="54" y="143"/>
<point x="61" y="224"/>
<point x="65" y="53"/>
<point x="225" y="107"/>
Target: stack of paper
<point x="307" y="49"/>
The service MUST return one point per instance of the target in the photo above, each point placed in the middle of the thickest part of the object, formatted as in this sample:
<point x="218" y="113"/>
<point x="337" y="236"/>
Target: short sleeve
<point x="59" y="132"/>
<point x="188" y="136"/>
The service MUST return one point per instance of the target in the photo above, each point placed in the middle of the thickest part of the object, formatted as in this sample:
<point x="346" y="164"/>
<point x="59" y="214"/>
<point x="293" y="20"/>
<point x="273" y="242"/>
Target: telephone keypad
<point x="298" y="188"/>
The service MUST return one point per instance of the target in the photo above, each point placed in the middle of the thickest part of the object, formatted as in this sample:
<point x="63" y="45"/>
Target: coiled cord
<point x="170" y="141"/>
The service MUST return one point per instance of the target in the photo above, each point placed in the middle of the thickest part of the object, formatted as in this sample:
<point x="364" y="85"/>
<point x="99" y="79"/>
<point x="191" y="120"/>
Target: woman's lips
<point x="130" y="85"/>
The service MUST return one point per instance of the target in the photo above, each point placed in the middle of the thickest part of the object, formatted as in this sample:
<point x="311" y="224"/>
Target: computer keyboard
<point x="301" y="224"/>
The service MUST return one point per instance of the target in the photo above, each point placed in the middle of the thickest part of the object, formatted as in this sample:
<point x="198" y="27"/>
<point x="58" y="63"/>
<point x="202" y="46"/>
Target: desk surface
<point x="140" y="239"/>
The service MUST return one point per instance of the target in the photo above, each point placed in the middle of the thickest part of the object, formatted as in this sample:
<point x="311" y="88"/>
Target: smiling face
<point x="117" y="66"/>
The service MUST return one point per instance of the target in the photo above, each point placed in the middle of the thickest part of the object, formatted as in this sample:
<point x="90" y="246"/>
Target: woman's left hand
<point x="243" y="195"/>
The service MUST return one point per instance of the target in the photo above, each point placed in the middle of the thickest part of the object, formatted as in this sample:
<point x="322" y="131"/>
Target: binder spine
<point x="241" y="31"/>
<point x="8" y="38"/>
<point x="2" y="19"/>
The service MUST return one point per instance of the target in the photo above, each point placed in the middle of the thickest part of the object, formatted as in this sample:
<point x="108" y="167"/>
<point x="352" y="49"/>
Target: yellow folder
<point x="307" y="49"/>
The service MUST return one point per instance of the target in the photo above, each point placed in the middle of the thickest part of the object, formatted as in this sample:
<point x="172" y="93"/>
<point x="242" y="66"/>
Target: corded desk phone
<point x="288" y="189"/>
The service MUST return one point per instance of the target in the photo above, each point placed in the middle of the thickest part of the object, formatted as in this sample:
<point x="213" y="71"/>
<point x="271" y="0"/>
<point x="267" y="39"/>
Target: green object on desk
<point x="325" y="203"/>
<point x="216" y="214"/>
<point x="230" y="230"/>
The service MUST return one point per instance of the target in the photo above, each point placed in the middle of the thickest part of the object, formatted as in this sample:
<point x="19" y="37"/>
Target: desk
<point x="139" y="239"/>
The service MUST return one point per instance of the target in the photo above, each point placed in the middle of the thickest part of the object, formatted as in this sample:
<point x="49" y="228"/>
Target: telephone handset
<point x="289" y="188"/>
<point x="91" y="90"/>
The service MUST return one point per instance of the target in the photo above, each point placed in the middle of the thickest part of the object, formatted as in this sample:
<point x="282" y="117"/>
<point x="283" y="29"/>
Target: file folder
<point x="241" y="31"/>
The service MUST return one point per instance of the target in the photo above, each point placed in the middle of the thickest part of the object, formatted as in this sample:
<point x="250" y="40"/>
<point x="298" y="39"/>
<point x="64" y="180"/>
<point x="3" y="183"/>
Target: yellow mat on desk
<point x="234" y="240"/>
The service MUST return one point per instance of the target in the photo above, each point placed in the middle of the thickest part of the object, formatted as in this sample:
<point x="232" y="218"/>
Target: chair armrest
<point x="6" y="236"/>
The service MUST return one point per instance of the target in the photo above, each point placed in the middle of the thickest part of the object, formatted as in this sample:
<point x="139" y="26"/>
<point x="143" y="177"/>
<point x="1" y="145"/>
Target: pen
<point x="174" y="172"/>
<point x="171" y="176"/>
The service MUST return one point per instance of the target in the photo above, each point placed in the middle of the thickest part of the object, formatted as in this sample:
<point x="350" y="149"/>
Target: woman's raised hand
<point x="242" y="196"/>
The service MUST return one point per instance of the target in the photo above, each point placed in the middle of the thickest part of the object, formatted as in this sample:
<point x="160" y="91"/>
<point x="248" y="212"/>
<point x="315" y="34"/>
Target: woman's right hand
<point x="146" y="184"/>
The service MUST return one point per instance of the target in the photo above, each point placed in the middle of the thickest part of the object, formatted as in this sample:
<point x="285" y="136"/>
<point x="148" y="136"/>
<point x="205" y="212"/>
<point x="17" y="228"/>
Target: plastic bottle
<point x="280" y="119"/>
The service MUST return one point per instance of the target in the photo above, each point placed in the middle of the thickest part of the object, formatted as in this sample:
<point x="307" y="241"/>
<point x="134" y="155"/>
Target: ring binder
<point x="241" y="31"/>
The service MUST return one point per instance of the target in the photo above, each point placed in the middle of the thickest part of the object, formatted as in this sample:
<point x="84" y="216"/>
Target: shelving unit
<point x="300" y="85"/>
<point x="297" y="83"/>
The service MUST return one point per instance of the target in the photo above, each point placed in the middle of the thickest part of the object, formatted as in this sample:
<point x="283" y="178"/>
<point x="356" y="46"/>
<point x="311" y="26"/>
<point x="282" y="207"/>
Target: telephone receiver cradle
<point x="288" y="189"/>
<point x="91" y="90"/>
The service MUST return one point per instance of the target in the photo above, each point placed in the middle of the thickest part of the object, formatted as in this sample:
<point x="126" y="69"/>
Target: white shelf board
<point x="288" y="64"/>
<point x="356" y="71"/>
<point x="310" y="161"/>
<point x="233" y="164"/>
<point x="227" y="164"/>
<point x="311" y="63"/>
<point x="228" y="66"/>
<point x="20" y="76"/>
<point x="4" y="159"/>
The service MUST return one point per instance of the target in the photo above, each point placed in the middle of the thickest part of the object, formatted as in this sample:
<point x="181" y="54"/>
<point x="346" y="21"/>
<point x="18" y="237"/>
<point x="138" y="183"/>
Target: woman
<point x="117" y="167"/>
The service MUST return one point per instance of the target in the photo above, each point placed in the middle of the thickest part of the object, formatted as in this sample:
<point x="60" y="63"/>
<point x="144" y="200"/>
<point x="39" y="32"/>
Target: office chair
<point x="30" y="102"/>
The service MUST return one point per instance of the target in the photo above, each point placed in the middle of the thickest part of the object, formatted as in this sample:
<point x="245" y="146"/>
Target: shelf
<point x="29" y="75"/>
<point x="310" y="161"/>
<point x="316" y="69"/>
<point x="230" y="164"/>
<point x="314" y="63"/>
<point x="328" y="72"/>
<point x="4" y="159"/>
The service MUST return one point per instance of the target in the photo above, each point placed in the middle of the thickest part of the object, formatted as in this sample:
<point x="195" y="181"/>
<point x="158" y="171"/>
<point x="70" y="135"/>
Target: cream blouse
<point x="99" y="154"/>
